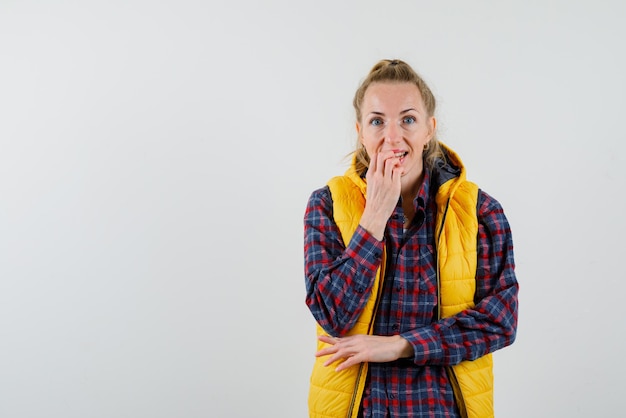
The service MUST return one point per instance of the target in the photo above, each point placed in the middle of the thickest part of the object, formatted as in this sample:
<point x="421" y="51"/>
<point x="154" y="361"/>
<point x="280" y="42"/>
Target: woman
<point x="409" y="268"/>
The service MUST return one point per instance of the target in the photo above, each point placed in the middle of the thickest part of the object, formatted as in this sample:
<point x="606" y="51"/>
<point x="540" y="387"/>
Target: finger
<point x="332" y="359"/>
<point x="382" y="162"/>
<point x="326" y="351"/>
<point x="347" y="363"/>
<point x="373" y="163"/>
<point x="341" y="355"/>
<point x="328" y="339"/>
<point x="343" y="352"/>
<point x="329" y="349"/>
<point x="390" y="165"/>
<point x="396" y="175"/>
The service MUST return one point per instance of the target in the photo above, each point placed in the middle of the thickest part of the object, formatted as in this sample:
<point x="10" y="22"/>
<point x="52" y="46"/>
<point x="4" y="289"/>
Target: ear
<point x="357" y="126"/>
<point x="432" y="127"/>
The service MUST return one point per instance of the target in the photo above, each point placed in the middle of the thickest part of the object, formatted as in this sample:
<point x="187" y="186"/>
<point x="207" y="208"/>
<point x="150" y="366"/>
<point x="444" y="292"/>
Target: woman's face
<point x="393" y="118"/>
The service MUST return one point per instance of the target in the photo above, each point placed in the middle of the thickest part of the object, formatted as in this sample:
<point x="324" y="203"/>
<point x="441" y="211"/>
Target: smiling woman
<point x="409" y="268"/>
<point x="394" y="130"/>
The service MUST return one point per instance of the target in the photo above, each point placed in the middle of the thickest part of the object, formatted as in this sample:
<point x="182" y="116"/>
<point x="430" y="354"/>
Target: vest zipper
<point x="443" y="221"/>
<point x="355" y="393"/>
<point x="456" y="389"/>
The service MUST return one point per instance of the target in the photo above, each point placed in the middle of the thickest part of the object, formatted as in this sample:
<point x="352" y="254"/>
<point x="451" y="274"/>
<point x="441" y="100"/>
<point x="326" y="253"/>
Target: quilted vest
<point x="333" y="394"/>
<point x="338" y="395"/>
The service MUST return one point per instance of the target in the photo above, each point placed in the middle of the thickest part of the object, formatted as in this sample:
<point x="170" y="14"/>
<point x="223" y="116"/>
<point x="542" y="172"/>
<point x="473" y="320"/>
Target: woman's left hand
<point x="357" y="349"/>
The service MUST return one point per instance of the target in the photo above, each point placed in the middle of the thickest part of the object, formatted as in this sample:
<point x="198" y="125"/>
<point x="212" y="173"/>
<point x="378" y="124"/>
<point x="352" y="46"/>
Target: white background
<point x="156" y="158"/>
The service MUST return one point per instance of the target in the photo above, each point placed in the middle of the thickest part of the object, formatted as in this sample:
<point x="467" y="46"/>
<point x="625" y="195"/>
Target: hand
<point x="383" y="191"/>
<point x="357" y="349"/>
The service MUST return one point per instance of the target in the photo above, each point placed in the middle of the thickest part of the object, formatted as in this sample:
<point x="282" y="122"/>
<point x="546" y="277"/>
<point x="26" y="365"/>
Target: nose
<point x="392" y="133"/>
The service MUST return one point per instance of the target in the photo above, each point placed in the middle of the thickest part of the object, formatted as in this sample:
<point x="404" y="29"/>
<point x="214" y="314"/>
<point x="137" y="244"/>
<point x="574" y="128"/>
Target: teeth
<point x="400" y="154"/>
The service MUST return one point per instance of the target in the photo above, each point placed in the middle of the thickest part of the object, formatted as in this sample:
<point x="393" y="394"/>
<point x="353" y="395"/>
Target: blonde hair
<point x="395" y="71"/>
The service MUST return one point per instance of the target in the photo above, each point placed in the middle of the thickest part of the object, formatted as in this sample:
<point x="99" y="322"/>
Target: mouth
<point x="401" y="154"/>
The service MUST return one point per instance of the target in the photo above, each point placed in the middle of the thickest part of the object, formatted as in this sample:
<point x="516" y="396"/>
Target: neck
<point x="411" y="187"/>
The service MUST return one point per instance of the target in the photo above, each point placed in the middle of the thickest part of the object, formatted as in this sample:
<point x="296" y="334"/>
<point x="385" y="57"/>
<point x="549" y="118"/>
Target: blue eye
<point x="409" y="120"/>
<point x="376" y="122"/>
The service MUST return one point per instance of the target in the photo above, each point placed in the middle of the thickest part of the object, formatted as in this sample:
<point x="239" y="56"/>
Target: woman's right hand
<point x="383" y="191"/>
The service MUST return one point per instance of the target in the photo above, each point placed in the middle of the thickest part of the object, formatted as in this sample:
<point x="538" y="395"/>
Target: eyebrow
<point x="402" y="112"/>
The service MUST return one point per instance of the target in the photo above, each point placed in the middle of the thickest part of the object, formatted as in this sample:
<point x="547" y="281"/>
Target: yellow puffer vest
<point x="338" y="395"/>
<point x="333" y="394"/>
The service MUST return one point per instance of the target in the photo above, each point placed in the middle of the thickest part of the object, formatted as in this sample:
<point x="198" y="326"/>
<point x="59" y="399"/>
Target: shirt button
<point x="395" y="327"/>
<point x="394" y="216"/>
<point x="398" y="288"/>
<point x="392" y="396"/>
<point x="359" y="290"/>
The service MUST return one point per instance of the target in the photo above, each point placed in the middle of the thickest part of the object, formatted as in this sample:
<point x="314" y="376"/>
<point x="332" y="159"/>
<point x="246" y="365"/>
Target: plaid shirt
<point x="338" y="280"/>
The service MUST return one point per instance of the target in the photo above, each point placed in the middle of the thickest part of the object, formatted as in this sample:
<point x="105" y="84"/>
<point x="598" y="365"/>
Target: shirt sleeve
<point x="338" y="278"/>
<point x="492" y="323"/>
